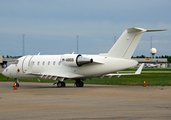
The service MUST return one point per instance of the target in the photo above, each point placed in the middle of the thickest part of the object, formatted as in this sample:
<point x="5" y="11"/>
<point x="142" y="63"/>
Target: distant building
<point x="162" y="62"/>
<point x="2" y="62"/>
<point x="9" y="61"/>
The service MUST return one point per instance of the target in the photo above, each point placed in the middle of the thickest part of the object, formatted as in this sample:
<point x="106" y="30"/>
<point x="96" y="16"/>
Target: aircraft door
<point x="26" y="63"/>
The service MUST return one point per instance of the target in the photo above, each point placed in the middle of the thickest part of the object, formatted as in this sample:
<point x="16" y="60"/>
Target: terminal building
<point x="152" y="62"/>
<point x="4" y="62"/>
<point x="161" y="62"/>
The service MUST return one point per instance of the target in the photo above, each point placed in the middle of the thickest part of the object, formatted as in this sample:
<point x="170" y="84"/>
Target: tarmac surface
<point x="92" y="102"/>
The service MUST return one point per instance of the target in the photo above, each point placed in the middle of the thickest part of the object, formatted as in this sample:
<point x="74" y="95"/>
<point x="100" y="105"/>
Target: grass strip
<point x="152" y="79"/>
<point x="148" y="69"/>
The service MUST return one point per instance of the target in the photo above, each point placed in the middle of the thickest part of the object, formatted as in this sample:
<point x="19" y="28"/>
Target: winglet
<point x="118" y="75"/>
<point x="140" y="69"/>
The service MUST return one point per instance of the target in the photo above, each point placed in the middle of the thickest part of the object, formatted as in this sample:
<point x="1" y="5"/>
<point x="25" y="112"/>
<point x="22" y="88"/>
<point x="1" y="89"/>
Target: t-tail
<point x="127" y="43"/>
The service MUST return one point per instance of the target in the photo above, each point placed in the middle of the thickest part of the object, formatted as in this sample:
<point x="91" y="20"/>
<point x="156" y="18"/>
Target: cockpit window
<point x="16" y="62"/>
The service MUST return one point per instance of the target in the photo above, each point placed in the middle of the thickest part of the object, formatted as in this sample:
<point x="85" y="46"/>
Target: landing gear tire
<point x="79" y="83"/>
<point x="61" y="84"/>
<point x="18" y="85"/>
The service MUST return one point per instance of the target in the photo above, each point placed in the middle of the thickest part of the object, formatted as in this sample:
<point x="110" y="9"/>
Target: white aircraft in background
<point x="152" y="65"/>
<point x="79" y="67"/>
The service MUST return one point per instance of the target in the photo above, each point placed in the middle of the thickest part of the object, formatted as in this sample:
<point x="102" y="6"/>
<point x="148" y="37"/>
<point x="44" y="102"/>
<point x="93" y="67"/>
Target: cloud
<point x="54" y="24"/>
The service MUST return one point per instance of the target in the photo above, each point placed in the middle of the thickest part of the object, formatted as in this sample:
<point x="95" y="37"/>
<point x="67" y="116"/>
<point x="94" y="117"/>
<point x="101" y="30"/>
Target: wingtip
<point x="140" y="69"/>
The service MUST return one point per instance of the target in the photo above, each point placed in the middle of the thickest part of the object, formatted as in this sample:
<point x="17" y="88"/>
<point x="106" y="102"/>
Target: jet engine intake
<point x="75" y="60"/>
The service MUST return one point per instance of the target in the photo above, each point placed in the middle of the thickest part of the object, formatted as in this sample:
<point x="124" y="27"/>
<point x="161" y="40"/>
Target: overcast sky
<point x="52" y="26"/>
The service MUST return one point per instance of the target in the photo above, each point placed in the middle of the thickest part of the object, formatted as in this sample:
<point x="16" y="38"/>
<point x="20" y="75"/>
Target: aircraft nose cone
<point x="4" y="72"/>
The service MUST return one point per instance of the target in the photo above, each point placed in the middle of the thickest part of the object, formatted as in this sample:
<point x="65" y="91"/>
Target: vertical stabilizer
<point x="127" y="43"/>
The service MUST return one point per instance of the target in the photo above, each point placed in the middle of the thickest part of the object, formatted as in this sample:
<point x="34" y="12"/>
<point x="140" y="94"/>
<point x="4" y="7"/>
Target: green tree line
<point x="11" y="56"/>
<point x="163" y="56"/>
<point x="142" y="56"/>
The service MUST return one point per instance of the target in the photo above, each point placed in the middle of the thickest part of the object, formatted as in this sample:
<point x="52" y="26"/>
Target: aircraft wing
<point x="118" y="75"/>
<point x="50" y="76"/>
<point x="60" y="77"/>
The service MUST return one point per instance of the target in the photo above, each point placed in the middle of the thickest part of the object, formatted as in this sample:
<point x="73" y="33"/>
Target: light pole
<point x="151" y="46"/>
<point x="77" y="44"/>
<point x="114" y="39"/>
<point x="23" y="45"/>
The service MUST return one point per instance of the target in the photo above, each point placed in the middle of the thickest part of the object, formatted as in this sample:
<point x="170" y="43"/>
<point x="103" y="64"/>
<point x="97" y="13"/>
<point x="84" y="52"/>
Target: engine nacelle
<point x="75" y="60"/>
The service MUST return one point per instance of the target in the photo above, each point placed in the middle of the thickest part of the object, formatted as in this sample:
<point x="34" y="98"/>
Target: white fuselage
<point x="50" y="67"/>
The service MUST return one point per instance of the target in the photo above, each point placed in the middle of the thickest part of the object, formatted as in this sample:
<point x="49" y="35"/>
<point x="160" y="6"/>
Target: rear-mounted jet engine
<point x="75" y="60"/>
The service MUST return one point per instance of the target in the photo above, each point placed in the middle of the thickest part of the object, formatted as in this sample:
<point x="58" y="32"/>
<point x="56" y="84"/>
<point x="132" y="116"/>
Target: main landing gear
<point x="59" y="84"/>
<point x="79" y="83"/>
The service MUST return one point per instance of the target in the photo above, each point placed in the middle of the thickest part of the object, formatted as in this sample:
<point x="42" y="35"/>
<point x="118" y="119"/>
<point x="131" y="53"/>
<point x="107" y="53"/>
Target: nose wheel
<point x="17" y="82"/>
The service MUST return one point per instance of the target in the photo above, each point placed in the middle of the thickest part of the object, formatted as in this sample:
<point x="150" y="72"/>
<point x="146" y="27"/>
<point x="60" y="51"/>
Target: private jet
<point x="80" y="67"/>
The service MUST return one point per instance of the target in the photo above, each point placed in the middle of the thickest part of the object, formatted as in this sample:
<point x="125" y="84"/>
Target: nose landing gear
<point x="17" y="82"/>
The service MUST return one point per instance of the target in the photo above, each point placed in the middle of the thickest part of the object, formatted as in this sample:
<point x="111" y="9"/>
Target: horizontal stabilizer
<point x="134" y="29"/>
<point x="155" y="30"/>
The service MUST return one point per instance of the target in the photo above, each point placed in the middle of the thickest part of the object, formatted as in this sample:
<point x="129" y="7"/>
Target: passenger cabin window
<point x="38" y="63"/>
<point x="16" y="62"/>
<point x="33" y="63"/>
<point x="49" y="63"/>
<point x="53" y="62"/>
<point x="43" y="63"/>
